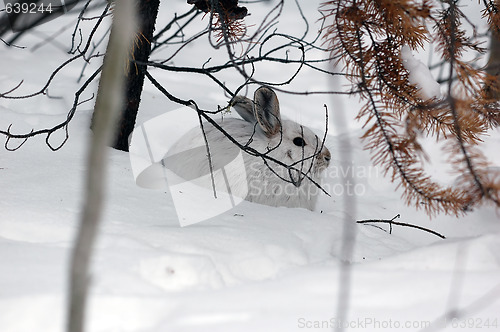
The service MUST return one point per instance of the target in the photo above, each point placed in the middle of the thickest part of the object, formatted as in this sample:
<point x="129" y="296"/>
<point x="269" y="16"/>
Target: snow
<point x="420" y="75"/>
<point x="252" y="268"/>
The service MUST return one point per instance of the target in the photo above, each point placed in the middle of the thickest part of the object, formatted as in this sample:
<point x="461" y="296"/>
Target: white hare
<point x="262" y="130"/>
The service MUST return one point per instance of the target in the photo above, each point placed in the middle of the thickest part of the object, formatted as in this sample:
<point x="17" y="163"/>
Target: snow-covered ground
<point x="253" y="268"/>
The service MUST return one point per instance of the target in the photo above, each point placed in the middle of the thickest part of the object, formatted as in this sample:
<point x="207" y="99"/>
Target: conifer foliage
<point x="368" y="36"/>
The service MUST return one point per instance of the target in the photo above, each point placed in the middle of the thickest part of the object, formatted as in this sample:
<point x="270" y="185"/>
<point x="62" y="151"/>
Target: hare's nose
<point x="327" y="155"/>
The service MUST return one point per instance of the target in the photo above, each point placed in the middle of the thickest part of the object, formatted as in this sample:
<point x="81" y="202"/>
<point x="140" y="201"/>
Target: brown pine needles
<point x="226" y="20"/>
<point x="368" y="36"/>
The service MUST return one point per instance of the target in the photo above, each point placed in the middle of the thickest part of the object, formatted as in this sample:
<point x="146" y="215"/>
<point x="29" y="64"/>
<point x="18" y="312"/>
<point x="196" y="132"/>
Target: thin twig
<point x="391" y="222"/>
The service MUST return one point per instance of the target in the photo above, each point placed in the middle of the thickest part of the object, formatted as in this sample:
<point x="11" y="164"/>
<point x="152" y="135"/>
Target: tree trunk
<point x="108" y="104"/>
<point x="147" y="13"/>
<point x="493" y="66"/>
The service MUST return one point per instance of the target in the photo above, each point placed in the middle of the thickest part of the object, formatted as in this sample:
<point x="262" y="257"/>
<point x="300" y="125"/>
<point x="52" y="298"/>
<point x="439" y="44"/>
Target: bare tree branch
<point x="391" y="222"/>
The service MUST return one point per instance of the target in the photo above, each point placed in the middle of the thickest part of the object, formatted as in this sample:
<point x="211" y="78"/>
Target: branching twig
<point x="391" y="222"/>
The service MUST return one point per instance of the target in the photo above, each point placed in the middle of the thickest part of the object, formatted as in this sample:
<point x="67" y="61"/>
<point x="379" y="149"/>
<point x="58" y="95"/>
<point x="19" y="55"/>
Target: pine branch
<point x="368" y="36"/>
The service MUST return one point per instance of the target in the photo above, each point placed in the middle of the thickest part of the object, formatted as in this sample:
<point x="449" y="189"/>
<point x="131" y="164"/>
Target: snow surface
<point x="253" y="268"/>
<point x="420" y="75"/>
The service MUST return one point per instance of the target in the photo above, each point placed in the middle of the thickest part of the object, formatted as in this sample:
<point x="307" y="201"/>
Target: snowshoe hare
<point x="259" y="180"/>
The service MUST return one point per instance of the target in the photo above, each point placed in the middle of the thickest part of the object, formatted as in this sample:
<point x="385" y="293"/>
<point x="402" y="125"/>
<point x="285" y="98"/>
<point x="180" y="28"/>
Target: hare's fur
<point x="263" y="130"/>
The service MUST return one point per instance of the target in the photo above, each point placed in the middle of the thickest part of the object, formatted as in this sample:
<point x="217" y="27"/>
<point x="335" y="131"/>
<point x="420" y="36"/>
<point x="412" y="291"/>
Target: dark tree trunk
<point x="148" y="11"/>
<point x="493" y="67"/>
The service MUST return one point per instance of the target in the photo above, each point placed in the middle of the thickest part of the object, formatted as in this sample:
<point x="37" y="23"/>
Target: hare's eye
<point x="299" y="141"/>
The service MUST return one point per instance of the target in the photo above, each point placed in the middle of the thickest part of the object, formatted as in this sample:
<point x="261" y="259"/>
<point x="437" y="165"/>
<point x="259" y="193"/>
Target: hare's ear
<point x="267" y="111"/>
<point x="244" y="107"/>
